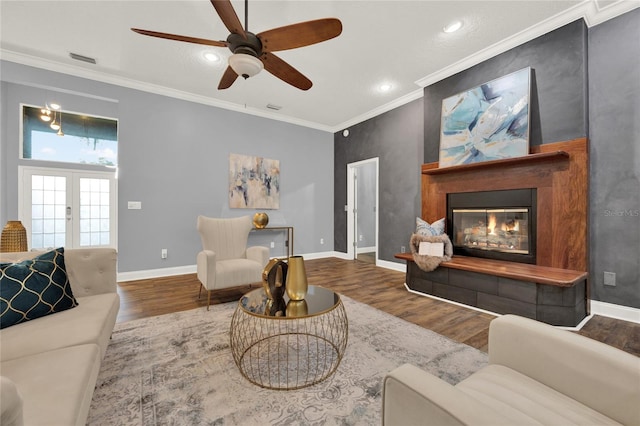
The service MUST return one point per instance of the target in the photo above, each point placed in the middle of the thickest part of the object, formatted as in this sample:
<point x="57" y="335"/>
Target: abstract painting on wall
<point x="489" y="122"/>
<point x="254" y="182"/>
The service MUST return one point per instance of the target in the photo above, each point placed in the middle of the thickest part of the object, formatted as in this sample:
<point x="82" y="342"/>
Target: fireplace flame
<point x="492" y="224"/>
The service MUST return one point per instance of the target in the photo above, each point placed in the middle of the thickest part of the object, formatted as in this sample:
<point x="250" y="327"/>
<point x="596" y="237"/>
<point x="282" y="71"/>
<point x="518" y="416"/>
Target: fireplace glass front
<point x="493" y="224"/>
<point x="502" y="230"/>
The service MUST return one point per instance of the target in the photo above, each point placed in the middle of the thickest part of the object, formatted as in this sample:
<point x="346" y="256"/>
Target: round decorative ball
<point x="260" y="220"/>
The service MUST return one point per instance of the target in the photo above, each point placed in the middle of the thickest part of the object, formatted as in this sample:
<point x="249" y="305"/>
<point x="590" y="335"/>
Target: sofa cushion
<point x="34" y="288"/>
<point x="91" y="321"/>
<point x="526" y="401"/>
<point x="56" y="386"/>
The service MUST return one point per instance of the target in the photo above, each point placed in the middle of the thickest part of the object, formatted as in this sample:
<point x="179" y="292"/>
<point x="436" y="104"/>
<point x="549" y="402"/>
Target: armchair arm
<point x="412" y="396"/>
<point x="259" y="254"/>
<point x="593" y="373"/>
<point x="206" y="268"/>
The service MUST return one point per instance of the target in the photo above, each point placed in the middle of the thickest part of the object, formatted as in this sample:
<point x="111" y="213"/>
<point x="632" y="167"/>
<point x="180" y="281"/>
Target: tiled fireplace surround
<point x="554" y="290"/>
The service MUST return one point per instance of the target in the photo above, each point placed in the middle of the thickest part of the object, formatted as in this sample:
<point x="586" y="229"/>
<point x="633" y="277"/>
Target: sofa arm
<point x="11" y="405"/>
<point x="259" y="254"/>
<point x="412" y="396"/>
<point x="593" y="373"/>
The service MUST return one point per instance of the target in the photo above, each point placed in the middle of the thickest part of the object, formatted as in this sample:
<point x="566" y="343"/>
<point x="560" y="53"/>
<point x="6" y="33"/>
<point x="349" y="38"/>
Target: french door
<point x="68" y="208"/>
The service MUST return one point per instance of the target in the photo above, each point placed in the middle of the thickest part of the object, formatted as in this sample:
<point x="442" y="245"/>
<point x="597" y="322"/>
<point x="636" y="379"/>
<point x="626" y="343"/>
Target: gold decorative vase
<point x="296" y="283"/>
<point x="260" y="220"/>
<point x="14" y="237"/>
<point x="297" y="308"/>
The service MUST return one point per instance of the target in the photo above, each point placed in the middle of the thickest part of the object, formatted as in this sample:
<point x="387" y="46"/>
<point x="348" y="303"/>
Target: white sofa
<point x="537" y="374"/>
<point x="49" y="365"/>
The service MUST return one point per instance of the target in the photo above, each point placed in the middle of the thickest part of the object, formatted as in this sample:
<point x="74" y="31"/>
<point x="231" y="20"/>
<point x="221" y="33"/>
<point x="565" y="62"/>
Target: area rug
<point x="177" y="369"/>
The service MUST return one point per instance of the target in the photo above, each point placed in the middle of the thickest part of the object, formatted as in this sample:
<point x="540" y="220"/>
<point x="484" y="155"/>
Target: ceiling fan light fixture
<point x="245" y="65"/>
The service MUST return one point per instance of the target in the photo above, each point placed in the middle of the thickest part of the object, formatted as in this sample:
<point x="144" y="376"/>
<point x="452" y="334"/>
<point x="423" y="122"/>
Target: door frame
<point x="352" y="208"/>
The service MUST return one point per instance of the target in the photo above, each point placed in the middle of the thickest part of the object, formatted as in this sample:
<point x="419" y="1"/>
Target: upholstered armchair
<point x="225" y="260"/>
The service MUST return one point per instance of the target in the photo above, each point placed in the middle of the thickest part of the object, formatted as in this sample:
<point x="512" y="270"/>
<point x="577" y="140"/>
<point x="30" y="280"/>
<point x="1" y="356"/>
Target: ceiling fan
<point x="253" y="52"/>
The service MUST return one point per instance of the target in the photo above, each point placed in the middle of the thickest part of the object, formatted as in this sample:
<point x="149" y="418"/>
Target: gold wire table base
<point x="288" y="352"/>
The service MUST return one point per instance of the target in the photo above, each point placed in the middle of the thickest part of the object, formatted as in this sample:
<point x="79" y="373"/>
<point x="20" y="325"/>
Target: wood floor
<point x="378" y="287"/>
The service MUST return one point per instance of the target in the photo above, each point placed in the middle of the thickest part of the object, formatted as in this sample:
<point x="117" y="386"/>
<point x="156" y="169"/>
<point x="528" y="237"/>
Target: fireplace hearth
<point x="494" y="224"/>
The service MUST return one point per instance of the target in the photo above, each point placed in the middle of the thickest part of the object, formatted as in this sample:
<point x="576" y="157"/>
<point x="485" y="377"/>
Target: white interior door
<point x="70" y="208"/>
<point x="362" y="210"/>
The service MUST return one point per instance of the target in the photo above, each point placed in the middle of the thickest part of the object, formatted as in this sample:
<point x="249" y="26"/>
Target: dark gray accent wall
<point x="558" y="107"/>
<point x="174" y="158"/>
<point x="614" y="130"/>
<point x="397" y="139"/>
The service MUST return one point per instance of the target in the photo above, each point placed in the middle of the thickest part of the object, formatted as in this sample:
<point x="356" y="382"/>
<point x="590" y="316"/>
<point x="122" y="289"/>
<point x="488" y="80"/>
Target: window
<point x="81" y="139"/>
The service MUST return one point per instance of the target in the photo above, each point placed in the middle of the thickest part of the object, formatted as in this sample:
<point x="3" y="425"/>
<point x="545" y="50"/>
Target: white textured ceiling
<point x="398" y="42"/>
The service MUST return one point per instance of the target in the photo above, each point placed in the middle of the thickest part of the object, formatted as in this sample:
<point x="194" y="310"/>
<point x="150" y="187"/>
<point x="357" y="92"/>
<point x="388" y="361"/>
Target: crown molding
<point x="589" y="10"/>
<point x="398" y="102"/>
<point x="77" y="71"/>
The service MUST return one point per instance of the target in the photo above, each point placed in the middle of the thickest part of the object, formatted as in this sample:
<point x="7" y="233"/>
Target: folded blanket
<point x="429" y="263"/>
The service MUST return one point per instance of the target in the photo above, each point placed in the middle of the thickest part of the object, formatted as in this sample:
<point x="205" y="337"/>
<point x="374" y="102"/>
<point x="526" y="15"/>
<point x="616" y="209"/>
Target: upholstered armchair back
<point x="226" y="237"/>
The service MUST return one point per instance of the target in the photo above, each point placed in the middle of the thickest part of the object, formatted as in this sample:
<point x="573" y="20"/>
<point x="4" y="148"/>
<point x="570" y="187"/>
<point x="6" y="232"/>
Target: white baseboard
<point x="156" y="273"/>
<point x="620" y="312"/>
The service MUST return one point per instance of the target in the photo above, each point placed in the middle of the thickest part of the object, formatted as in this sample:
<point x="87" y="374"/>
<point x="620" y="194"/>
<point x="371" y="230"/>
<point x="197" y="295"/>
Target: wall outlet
<point x="273" y="245"/>
<point x="403" y="249"/>
<point x="321" y="240"/>
<point x="163" y="253"/>
<point x="610" y="279"/>
<point x="360" y="237"/>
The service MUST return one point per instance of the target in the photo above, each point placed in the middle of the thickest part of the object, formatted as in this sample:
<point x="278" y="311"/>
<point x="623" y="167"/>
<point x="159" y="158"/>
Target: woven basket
<point x="14" y="237"/>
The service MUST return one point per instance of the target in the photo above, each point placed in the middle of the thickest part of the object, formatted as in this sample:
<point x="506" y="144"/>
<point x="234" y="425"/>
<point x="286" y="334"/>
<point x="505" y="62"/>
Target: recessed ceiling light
<point x="453" y="27"/>
<point x="211" y="57"/>
<point x="385" y="87"/>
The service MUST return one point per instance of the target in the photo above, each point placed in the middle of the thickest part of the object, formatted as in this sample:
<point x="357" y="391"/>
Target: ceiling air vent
<point x="275" y="107"/>
<point x="82" y="58"/>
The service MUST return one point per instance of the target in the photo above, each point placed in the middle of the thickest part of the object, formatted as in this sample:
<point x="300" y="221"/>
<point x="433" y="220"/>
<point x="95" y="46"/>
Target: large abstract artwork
<point x="489" y="122"/>
<point x="254" y="182"/>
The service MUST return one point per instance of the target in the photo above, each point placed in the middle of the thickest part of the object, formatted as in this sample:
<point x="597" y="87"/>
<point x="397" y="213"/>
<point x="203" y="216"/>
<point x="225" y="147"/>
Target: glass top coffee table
<point x="287" y="344"/>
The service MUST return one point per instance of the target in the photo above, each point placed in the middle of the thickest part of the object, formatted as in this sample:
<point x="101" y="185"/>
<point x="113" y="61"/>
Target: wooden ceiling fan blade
<point x="229" y="17"/>
<point x="285" y="72"/>
<point x="176" y="37"/>
<point x="300" y="34"/>
<point x="228" y="78"/>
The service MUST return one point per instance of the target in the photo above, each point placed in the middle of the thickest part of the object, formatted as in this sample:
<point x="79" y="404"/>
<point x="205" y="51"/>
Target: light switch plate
<point x="134" y="205"/>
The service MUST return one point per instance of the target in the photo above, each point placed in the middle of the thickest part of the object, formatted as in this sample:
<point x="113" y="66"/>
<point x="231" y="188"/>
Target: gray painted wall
<point x="397" y="139"/>
<point x="558" y="108"/>
<point x="614" y="130"/>
<point x="173" y="157"/>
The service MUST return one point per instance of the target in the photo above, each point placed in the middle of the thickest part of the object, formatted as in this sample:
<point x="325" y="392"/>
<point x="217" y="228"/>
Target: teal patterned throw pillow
<point x="34" y="288"/>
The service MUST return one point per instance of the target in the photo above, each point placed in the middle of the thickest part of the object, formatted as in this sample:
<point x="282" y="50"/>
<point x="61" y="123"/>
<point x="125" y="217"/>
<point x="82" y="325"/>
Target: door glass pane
<point x="48" y="203"/>
<point x="94" y="212"/>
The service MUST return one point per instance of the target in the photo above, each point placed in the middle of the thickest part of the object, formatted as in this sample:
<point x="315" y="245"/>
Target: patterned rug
<point x="177" y="369"/>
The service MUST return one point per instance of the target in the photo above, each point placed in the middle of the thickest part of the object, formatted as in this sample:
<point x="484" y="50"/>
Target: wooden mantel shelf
<point x="428" y="169"/>
<point x="518" y="271"/>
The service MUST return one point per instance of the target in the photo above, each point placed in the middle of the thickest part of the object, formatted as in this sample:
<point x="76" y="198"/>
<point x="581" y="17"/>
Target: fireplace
<point x="494" y="224"/>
